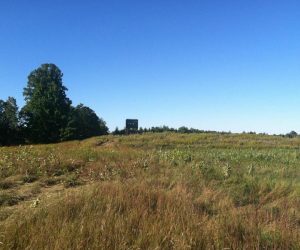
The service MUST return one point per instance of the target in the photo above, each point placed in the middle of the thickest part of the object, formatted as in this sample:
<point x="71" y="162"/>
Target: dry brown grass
<point x="155" y="191"/>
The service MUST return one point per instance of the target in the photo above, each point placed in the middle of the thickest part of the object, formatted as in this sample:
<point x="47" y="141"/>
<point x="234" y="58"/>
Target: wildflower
<point x="35" y="203"/>
<point x="227" y="170"/>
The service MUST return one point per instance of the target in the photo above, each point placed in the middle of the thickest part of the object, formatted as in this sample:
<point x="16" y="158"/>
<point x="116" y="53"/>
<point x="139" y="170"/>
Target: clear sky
<point x="208" y="64"/>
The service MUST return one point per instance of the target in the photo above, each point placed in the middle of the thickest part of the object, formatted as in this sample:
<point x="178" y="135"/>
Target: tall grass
<point x="152" y="191"/>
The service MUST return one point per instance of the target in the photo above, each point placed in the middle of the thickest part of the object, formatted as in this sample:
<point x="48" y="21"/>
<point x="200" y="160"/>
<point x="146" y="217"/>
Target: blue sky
<point x="213" y="65"/>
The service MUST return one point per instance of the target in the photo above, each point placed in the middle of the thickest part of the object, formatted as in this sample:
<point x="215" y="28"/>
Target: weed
<point x="29" y="178"/>
<point x="72" y="181"/>
<point x="7" y="199"/>
<point x="7" y="184"/>
<point x="53" y="181"/>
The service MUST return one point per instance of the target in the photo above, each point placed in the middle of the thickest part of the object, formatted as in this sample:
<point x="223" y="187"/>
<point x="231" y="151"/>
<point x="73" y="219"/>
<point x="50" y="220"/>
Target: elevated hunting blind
<point x="132" y="126"/>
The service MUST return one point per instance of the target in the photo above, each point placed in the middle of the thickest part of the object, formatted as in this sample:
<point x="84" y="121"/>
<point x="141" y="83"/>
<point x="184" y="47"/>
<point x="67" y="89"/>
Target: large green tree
<point x="47" y="108"/>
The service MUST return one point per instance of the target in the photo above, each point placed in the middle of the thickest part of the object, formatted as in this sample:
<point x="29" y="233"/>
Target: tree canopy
<point x="9" y="123"/>
<point x="85" y="123"/>
<point x="47" y="115"/>
<point x="47" y="107"/>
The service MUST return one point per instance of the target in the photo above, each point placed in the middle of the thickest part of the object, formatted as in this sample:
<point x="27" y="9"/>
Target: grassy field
<point x="152" y="191"/>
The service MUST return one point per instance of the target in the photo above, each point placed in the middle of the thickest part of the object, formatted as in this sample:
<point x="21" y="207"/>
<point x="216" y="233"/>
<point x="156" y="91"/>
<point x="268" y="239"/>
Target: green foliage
<point x="291" y="134"/>
<point x="53" y="181"/>
<point x="6" y="184"/>
<point x="47" y="107"/>
<point x="84" y="123"/>
<point x="29" y="178"/>
<point x="9" y="126"/>
<point x="163" y="129"/>
<point x="183" y="129"/>
<point x="9" y="199"/>
<point x="47" y="116"/>
<point x="72" y="181"/>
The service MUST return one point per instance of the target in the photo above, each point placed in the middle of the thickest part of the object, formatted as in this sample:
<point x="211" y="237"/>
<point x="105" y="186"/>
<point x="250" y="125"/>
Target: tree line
<point x="186" y="130"/>
<point x="48" y="115"/>
<point x="161" y="129"/>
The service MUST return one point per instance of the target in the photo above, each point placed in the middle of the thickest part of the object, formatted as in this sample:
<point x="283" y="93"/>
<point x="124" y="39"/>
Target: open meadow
<point x="152" y="191"/>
